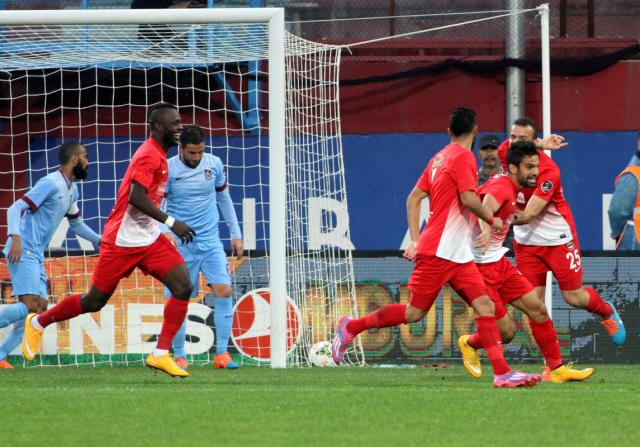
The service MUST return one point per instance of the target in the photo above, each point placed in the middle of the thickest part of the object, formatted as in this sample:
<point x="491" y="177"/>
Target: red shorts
<point x="505" y="283"/>
<point x="431" y="274"/>
<point x="116" y="263"/>
<point x="563" y="260"/>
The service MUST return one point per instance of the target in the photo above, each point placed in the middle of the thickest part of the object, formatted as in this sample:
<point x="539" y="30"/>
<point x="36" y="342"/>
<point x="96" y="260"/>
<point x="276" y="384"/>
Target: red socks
<point x="66" y="309"/>
<point x="175" y="311"/>
<point x="490" y="336"/>
<point x="474" y="341"/>
<point x="597" y="305"/>
<point x="386" y="316"/>
<point x="547" y="339"/>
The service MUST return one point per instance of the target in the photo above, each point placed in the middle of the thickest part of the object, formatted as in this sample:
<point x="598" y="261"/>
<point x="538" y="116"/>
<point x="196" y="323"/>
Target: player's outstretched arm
<point x="14" y="214"/>
<point x="471" y="201"/>
<point x="138" y="198"/>
<point x="535" y="206"/>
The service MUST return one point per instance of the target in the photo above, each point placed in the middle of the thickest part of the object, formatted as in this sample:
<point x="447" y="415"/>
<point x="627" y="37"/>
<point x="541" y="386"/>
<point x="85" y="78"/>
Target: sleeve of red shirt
<point x="144" y="168"/>
<point x="502" y="153"/>
<point x="497" y="191"/>
<point x="466" y="173"/>
<point x="548" y="183"/>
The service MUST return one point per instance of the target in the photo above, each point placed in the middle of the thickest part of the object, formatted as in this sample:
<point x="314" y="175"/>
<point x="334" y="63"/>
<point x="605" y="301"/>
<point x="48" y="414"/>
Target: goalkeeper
<point x="196" y="187"/>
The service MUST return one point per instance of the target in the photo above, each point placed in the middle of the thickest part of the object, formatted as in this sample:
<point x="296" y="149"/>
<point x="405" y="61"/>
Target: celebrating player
<point x="505" y="283"/>
<point x="196" y="184"/>
<point x="32" y="220"/>
<point x="131" y="239"/>
<point x="546" y="237"/>
<point x="442" y="254"/>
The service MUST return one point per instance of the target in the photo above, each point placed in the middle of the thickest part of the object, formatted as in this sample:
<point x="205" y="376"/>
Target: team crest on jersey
<point x="208" y="174"/>
<point x="570" y="245"/>
<point x="546" y="186"/>
<point x="520" y="198"/>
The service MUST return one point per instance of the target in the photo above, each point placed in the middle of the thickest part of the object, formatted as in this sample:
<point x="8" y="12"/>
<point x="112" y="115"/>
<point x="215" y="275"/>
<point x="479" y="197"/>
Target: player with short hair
<point x="441" y="252"/>
<point x="505" y="283"/>
<point x="197" y="186"/>
<point x="131" y="239"/>
<point x="32" y="221"/>
<point x="546" y="237"/>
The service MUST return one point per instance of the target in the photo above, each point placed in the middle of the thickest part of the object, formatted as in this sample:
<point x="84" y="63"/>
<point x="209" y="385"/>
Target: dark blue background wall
<point x="380" y="172"/>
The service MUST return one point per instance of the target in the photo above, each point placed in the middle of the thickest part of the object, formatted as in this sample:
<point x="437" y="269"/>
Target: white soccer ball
<point x="320" y="354"/>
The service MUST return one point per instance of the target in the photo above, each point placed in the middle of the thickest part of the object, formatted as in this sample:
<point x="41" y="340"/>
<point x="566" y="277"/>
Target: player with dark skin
<point x="166" y="126"/>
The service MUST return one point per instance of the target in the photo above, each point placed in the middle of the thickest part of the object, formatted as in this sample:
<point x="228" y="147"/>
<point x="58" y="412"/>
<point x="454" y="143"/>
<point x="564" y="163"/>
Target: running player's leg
<point x="468" y="283"/>
<point x="179" y="340"/>
<point x="215" y="267"/>
<point x="163" y="261"/>
<point x="428" y="277"/>
<point x="114" y="263"/>
<point x="566" y="265"/>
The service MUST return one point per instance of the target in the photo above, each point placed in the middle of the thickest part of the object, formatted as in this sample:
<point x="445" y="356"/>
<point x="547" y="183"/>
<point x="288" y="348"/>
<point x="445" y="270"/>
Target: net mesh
<point x="94" y="84"/>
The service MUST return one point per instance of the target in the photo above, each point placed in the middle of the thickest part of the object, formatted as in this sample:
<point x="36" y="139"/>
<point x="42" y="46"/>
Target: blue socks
<point x="12" y="313"/>
<point x="179" y="340"/>
<point x="223" y="320"/>
<point x="13" y="339"/>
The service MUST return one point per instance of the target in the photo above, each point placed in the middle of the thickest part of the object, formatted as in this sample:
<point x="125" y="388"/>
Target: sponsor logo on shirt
<point x="546" y="186"/>
<point x="208" y="174"/>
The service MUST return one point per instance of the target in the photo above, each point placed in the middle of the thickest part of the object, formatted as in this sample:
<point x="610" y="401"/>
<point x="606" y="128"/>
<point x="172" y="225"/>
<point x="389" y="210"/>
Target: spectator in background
<point x="624" y="210"/>
<point x="489" y="161"/>
<point x="157" y="33"/>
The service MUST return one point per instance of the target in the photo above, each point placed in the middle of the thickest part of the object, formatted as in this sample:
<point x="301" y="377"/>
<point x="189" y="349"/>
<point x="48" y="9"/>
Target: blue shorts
<point x="27" y="277"/>
<point x="211" y="260"/>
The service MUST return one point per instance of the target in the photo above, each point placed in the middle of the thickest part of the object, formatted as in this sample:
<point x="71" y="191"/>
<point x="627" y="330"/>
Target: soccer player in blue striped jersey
<point x="197" y="187"/>
<point x="32" y="220"/>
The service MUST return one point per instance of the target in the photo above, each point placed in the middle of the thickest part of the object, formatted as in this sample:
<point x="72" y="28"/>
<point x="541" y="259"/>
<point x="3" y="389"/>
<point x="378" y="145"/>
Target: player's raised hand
<point x="551" y="142"/>
<point x="183" y="231"/>
<point x="169" y="235"/>
<point x="16" y="249"/>
<point x="410" y="252"/>
<point x="237" y="247"/>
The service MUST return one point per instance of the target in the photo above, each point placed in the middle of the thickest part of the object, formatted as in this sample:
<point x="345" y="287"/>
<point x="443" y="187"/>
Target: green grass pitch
<point x="133" y="406"/>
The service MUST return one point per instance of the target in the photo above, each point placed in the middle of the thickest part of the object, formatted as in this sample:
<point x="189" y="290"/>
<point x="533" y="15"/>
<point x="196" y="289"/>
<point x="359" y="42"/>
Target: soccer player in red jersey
<point x="442" y="253"/>
<point x="546" y="237"/>
<point x="506" y="285"/>
<point x="132" y="238"/>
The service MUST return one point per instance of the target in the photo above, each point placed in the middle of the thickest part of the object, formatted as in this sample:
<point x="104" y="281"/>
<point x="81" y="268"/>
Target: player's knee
<point x="32" y="302"/>
<point x="413" y="314"/>
<point x="183" y="291"/>
<point x="483" y="306"/>
<point x="222" y="290"/>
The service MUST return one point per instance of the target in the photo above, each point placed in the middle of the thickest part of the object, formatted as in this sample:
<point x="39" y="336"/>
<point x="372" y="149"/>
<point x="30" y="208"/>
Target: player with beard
<point x="546" y="238"/>
<point x="32" y="221"/>
<point x="197" y="186"/>
<point x="131" y="239"/>
<point x="441" y="252"/>
<point x="505" y="283"/>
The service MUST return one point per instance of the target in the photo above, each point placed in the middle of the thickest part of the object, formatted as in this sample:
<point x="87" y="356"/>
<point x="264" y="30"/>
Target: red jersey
<point x="554" y="225"/>
<point x="450" y="172"/>
<point x="127" y="226"/>
<point x="504" y="191"/>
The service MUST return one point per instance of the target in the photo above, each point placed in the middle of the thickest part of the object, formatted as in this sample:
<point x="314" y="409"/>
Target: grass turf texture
<point x="319" y="406"/>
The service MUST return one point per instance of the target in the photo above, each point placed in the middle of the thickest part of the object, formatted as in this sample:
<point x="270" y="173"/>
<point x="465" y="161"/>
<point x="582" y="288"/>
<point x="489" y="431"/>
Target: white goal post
<point x="282" y="137"/>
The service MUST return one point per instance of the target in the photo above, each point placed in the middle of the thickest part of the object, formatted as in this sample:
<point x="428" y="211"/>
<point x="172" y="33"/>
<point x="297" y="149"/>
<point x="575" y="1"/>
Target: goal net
<point x="94" y="83"/>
